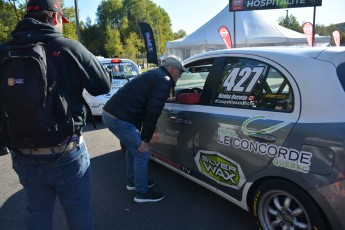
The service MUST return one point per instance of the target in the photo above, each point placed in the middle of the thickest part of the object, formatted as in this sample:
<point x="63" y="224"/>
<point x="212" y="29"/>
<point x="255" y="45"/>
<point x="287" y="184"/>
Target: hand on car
<point x="143" y="147"/>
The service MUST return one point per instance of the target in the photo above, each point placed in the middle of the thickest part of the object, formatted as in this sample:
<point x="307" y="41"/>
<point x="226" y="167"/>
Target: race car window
<point x="248" y="83"/>
<point x="122" y="70"/>
<point x="193" y="82"/>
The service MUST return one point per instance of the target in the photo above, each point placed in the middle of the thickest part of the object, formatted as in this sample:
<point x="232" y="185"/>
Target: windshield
<point x="122" y="70"/>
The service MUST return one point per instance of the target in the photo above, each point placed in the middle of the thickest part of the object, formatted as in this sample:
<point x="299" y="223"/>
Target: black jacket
<point x="78" y="67"/>
<point x="141" y="100"/>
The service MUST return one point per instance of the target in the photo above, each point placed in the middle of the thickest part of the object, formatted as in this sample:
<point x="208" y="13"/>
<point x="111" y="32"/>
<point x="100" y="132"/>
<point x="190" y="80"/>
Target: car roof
<point x="108" y="60"/>
<point x="336" y="55"/>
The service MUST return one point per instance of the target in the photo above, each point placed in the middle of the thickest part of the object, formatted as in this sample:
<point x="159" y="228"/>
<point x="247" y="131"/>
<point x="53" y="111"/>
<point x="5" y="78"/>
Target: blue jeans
<point x="44" y="178"/>
<point x="136" y="162"/>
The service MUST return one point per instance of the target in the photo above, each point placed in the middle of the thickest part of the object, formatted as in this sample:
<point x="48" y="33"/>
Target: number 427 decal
<point x="243" y="75"/>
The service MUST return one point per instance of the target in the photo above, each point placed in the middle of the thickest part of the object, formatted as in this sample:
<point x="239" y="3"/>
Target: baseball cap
<point x="174" y="61"/>
<point x="50" y="5"/>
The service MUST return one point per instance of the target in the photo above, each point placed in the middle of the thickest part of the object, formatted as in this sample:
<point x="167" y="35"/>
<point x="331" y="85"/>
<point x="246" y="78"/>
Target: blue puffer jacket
<point x="140" y="101"/>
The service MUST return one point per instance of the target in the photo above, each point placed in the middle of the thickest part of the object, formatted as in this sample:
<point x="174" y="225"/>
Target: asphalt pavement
<point x="186" y="206"/>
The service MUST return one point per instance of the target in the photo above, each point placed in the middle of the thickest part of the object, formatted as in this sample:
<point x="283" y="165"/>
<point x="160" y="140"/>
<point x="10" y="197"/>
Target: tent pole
<point x="234" y="13"/>
<point x="313" y="38"/>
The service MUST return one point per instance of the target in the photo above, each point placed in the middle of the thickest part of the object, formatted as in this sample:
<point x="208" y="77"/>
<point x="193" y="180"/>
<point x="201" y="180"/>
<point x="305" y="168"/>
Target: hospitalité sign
<point x="246" y="5"/>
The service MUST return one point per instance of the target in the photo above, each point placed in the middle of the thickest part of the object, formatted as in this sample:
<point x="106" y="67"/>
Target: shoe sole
<point x="129" y="188"/>
<point x="138" y="200"/>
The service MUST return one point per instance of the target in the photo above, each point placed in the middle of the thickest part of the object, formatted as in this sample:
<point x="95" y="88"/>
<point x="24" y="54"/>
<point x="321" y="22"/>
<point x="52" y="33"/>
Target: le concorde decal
<point x="282" y="157"/>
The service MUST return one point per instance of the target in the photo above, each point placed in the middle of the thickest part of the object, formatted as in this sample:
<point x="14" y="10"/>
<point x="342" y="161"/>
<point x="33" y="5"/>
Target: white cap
<point x="174" y="61"/>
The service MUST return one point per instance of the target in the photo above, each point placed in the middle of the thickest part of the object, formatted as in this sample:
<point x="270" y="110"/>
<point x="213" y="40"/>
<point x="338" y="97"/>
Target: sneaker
<point x="149" y="196"/>
<point x="131" y="186"/>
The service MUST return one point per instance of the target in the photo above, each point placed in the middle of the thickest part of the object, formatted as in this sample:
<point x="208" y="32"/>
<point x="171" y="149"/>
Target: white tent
<point x="252" y="29"/>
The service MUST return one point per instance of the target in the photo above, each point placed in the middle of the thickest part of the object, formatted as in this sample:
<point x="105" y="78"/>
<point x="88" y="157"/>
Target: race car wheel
<point x="283" y="205"/>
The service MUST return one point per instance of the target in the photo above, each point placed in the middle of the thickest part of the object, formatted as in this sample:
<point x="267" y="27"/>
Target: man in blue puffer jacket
<point x="132" y="113"/>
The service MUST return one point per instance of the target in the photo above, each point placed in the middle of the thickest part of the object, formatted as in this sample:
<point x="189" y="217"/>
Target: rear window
<point x="122" y="70"/>
<point x="252" y="84"/>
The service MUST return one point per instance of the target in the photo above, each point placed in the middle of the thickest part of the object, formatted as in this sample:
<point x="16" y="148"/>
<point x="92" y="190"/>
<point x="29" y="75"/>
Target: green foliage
<point x="290" y="22"/>
<point x="113" y="44"/>
<point x="132" y="46"/>
<point x="70" y="29"/>
<point x="91" y="35"/>
<point x="11" y="14"/>
<point x="180" y="34"/>
<point x="124" y="16"/>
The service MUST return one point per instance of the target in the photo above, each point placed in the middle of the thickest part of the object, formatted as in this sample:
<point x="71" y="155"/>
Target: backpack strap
<point x="88" y="109"/>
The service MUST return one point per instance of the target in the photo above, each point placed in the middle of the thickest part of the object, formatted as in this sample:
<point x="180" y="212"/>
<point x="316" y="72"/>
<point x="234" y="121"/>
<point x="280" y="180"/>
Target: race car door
<point x="251" y="111"/>
<point x="173" y="141"/>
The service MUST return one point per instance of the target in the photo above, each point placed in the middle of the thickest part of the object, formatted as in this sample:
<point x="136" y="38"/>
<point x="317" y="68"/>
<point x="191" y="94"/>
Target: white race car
<point x="123" y="70"/>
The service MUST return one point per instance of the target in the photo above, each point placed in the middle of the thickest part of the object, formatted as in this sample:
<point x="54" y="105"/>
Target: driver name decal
<point x="220" y="169"/>
<point x="240" y="80"/>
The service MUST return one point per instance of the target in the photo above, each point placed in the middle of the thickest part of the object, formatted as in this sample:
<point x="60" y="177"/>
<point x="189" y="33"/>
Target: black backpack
<point x="35" y="107"/>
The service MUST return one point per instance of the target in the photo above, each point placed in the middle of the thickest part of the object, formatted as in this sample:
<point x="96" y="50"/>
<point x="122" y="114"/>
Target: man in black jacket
<point x="132" y="113"/>
<point x="62" y="170"/>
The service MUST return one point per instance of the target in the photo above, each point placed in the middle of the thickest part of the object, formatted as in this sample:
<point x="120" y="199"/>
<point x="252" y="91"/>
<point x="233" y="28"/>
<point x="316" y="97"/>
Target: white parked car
<point x="123" y="70"/>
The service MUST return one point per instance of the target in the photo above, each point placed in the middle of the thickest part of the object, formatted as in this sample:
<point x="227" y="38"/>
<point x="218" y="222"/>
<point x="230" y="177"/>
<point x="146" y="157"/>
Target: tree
<point x="70" y="29"/>
<point x="113" y="44"/>
<point x="180" y="34"/>
<point x="92" y="37"/>
<point x="110" y="11"/>
<point x="131" y="46"/>
<point x="11" y="13"/>
<point x="290" y="22"/>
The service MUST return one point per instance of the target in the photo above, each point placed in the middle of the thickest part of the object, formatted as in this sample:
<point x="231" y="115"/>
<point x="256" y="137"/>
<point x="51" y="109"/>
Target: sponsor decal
<point x="170" y="162"/>
<point x="274" y="96"/>
<point x="282" y="157"/>
<point x="268" y="130"/>
<point x="149" y="42"/>
<point x="246" y="5"/>
<point x="236" y="5"/>
<point x="220" y="169"/>
<point x="225" y="133"/>
<point x="13" y="81"/>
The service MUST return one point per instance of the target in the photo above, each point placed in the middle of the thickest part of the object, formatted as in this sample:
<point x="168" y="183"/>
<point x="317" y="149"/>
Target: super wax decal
<point x="219" y="168"/>
<point x="282" y="157"/>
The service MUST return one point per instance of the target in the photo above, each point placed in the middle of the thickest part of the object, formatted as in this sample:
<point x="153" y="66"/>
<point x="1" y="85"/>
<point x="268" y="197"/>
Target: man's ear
<point x="55" y="19"/>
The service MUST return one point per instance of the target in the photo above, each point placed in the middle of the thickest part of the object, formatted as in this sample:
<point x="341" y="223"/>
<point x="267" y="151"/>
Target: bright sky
<point x="189" y="15"/>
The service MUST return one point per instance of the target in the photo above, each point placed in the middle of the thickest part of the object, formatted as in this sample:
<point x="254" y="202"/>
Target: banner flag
<point x="336" y="37"/>
<point x="225" y="35"/>
<point x="308" y="32"/>
<point x="150" y="44"/>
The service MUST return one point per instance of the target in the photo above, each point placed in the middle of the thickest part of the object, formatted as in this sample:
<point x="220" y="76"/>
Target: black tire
<point x="280" y="204"/>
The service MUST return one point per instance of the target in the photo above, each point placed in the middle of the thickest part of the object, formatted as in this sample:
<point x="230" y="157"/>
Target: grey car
<point x="265" y="129"/>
